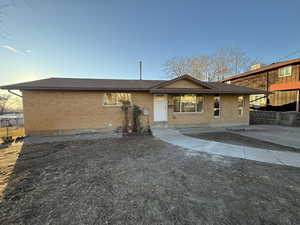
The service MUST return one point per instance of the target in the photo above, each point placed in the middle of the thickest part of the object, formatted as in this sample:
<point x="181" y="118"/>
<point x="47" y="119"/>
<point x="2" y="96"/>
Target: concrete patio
<point x="283" y="135"/>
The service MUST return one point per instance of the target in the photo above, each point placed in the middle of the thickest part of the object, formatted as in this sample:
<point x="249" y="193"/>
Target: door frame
<point x="155" y="107"/>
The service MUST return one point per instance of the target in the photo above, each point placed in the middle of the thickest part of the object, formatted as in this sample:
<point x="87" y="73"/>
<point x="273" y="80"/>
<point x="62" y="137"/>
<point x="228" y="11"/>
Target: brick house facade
<point x="62" y="106"/>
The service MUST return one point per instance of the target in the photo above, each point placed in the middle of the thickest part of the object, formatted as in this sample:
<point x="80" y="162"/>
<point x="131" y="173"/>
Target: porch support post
<point x="298" y="101"/>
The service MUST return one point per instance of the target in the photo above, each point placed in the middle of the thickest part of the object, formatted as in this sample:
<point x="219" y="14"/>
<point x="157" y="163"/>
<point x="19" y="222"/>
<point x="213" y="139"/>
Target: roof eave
<point x="203" y="91"/>
<point x="263" y="69"/>
<point x="71" y="89"/>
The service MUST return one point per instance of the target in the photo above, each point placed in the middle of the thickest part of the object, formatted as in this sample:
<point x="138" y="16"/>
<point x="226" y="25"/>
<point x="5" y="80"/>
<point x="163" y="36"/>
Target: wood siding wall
<point x="281" y="100"/>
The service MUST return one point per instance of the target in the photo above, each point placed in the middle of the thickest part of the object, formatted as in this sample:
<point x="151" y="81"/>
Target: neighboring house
<point x="282" y="79"/>
<point x="66" y="105"/>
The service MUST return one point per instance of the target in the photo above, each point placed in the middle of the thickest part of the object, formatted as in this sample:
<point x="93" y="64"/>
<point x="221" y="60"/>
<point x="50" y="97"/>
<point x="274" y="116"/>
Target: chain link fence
<point x="11" y="126"/>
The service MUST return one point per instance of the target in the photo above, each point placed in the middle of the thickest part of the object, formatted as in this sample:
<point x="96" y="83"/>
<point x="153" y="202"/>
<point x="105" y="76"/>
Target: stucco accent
<point x="183" y="84"/>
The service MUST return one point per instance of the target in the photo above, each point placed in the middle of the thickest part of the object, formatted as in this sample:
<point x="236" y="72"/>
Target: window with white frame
<point x="116" y="99"/>
<point x="258" y="100"/>
<point x="188" y="103"/>
<point x="217" y="106"/>
<point x="285" y="71"/>
<point x="240" y="105"/>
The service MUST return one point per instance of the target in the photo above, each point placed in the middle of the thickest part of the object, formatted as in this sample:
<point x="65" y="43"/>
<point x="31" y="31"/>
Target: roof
<point x="215" y="88"/>
<point x="154" y="86"/>
<point x="78" y="84"/>
<point x="185" y="76"/>
<point x="264" y="69"/>
<point x="285" y="86"/>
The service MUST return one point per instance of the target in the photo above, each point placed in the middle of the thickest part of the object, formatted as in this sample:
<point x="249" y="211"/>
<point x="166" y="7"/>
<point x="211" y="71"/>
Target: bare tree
<point x="177" y="66"/>
<point x="4" y="102"/>
<point x="195" y="66"/>
<point x="223" y="63"/>
<point x="239" y="60"/>
<point x="219" y="65"/>
<point x="200" y="67"/>
<point x="10" y="103"/>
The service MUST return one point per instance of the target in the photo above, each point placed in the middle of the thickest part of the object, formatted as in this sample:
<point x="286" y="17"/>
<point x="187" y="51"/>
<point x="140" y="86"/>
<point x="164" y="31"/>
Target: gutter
<point x="14" y="93"/>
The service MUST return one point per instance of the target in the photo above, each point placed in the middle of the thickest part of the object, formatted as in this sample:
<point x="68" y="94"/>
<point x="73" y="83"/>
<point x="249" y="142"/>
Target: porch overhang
<point x="290" y="86"/>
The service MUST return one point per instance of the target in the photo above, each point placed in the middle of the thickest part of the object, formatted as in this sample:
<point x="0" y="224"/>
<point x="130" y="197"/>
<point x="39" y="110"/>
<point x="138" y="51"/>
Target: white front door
<point x="160" y="108"/>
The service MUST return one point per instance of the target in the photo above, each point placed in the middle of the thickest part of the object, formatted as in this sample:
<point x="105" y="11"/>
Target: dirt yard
<point x="237" y="139"/>
<point x="141" y="180"/>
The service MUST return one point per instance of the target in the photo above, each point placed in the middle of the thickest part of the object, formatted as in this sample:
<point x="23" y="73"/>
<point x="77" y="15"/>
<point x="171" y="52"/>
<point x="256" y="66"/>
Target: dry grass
<point x="12" y="131"/>
<point x="144" y="181"/>
<point x="8" y="159"/>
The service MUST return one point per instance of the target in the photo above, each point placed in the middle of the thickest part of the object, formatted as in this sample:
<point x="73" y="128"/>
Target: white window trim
<point x="241" y="107"/>
<point x="283" y="68"/>
<point x="217" y="117"/>
<point x="118" y="105"/>
<point x="189" y="112"/>
<point x="196" y="112"/>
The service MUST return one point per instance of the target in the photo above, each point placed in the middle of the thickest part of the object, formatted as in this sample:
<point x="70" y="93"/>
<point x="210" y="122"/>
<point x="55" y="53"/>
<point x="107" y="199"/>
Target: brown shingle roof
<point x="263" y="69"/>
<point x="185" y="76"/>
<point x="154" y="86"/>
<point x="85" y="84"/>
<point x="216" y="88"/>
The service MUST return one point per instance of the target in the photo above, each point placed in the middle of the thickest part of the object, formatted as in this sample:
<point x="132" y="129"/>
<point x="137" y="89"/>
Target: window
<point x="258" y="100"/>
<point x="188" y="103"/>
<point x="217" y="106"/>
<point x="240" y="105"/>
<point x="285" y="71"/>
<point x="116" y="99"/>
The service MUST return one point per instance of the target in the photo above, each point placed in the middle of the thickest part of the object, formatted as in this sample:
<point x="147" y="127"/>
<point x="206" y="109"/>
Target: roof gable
<point x="184" y="81"/>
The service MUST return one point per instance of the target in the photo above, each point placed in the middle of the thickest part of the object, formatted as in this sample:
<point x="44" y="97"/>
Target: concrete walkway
<point x="288" y="136"/>
<point x="174" y="137"/>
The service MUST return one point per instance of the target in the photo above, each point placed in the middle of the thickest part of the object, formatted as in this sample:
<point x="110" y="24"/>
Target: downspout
<point x="298" y="93"/>
<point x="298" y="101"/>
<point x="268" y="101"/>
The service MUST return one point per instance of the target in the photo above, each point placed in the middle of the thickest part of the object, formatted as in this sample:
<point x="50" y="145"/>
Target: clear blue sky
<point x="107" y="38"/>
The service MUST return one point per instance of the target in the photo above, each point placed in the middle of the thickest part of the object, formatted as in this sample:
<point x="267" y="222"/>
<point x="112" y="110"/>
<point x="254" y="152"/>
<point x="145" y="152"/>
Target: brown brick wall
<point x="49" y="111"/>
<point x="229" y="113"/>
<point x="55" y="112"/>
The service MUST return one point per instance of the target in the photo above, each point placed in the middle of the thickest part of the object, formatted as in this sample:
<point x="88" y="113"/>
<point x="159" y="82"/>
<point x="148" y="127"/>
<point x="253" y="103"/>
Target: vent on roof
<point x="256" y="66"/>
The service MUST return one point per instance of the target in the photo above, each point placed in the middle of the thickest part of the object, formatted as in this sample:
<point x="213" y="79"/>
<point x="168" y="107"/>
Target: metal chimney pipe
<point x="141" y="70"/>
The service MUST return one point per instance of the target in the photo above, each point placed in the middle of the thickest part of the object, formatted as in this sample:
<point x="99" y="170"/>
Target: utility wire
<point x="289" y="55"/>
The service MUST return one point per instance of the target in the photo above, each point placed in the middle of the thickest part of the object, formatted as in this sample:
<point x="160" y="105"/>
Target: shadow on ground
<point x="237" y="139"/>
<point x="142" y="180"/>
